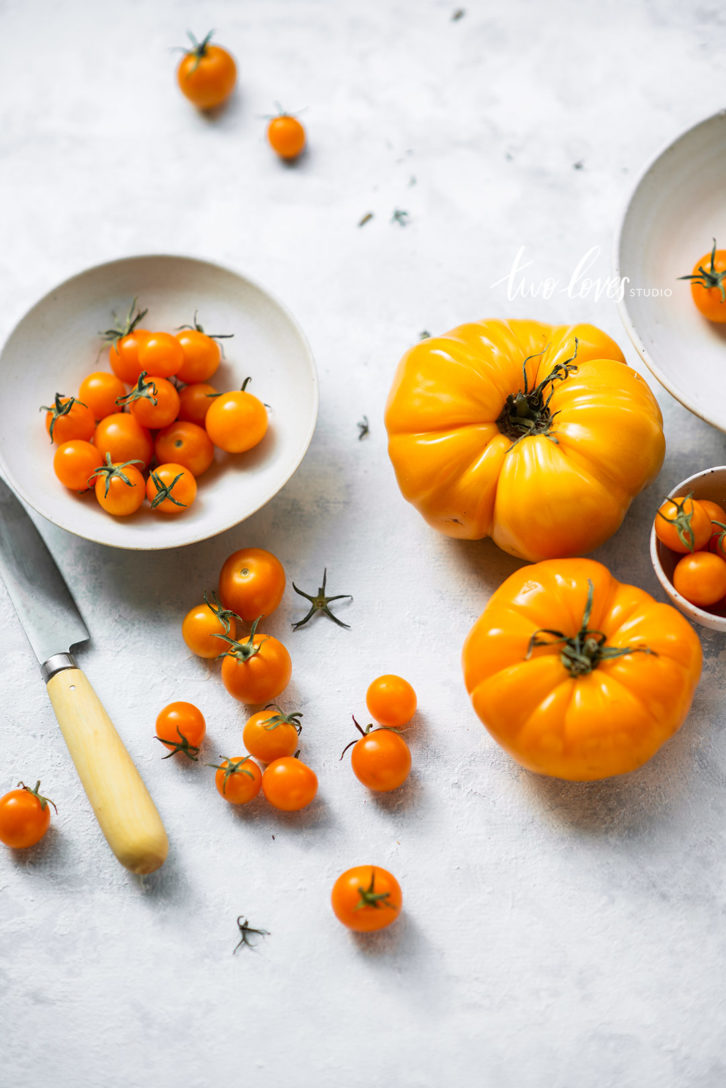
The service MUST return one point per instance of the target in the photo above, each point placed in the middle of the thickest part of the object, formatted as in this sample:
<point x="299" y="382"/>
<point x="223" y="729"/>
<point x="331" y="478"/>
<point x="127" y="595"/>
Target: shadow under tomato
<point x="399" y="799"/>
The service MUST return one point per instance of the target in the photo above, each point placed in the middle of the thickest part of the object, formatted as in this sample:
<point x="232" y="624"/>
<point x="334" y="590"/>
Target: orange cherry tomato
<point x="289" y="784"/>
<point x="256" y="670"/>
<point x="67" y="419"/>
<point x="381" y="759"/>
<point x="708" y="284"/>
<point x="202" y="355"/>
<point x="186" y="444"/>
<point x="24" y="816"/>
<point x="286" y="136"/>
<point x="160" y="354"/>
<point x="101" y="391"/>
<point x="236" y="421"/>
<point x="171" y="488"/>
<point x="203" y="624"/>
<point x="194" y="401"/>
<point x="238" y="780"/>
<point x="251" y="583"/>
<point x="180" y="727"/>
<point x="123" y="356"/>
<point x="120" y="487"/>
<point x="391" y="700"/>
<point x="714" y="510"/>
<point x="270" y="734"/>
<point x="154" y="402"/>
<point x="682" y="524"/>
<point x="122" y="436"/>
<point x="366" y="898"/>
<point x="206" y="74"/>
<point x="74" y="462"/>
<point x="701" y="578"/>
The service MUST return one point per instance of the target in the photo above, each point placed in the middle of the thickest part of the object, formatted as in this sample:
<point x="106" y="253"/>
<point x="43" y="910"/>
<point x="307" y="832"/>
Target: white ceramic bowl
<point x="57" y="343"/>
<point x="677" y="208"/>
<point x="709" y="484"/>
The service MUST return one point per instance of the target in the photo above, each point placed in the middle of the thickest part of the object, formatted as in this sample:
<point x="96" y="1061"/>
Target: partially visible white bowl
<point x="677" y="208"/>
<point x="709" y="484"/>
<point x="57" y="343"/>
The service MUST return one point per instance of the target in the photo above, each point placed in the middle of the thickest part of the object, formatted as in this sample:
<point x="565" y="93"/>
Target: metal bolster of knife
<point x="55" y="664"/>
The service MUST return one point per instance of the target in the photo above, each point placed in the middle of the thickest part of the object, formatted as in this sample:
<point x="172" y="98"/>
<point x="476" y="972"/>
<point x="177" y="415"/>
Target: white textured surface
<point x="554" y="935"/>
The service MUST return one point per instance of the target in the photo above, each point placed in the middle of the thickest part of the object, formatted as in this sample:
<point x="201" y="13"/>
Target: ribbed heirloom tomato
<point x="536" y="435"/>
<point x="577" y="675"/>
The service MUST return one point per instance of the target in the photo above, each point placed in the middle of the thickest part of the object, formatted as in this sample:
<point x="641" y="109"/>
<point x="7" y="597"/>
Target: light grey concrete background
<point x="554" y="935"/>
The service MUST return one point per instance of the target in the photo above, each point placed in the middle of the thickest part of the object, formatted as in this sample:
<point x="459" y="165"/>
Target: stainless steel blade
<point x="48" y="613"/>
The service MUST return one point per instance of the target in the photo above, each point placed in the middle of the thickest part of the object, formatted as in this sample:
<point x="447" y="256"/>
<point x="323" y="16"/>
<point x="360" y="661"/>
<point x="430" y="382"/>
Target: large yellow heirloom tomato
<point x="577" y="675"/>
<point x="536" y="435"/>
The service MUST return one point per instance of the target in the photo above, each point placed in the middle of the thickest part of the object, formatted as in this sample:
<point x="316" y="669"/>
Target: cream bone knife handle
<point x="120" y="800"/>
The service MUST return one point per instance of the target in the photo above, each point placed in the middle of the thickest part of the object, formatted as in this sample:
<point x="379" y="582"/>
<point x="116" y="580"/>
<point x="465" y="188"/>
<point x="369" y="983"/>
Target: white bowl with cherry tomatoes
<point x="691" y="564"/>
<point x="674" y="215"/>
<point x="59" y="342"/>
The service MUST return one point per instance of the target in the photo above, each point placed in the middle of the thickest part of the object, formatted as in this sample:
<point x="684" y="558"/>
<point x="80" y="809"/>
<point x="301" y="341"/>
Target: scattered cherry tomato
<point x="391" y="700"/>
<point x="701" y="578"/>
<point x="74" y="462"/>
<point x="186" y="444"/>
<point x="154" y="402"/>
<point x="270" y="734"/>
<point x="120" y="487"/>
<point x="202" y="354"/>
<point x="101" y="391"/>
<point x="236" y="421"/>
<point x="366" y="898"/>
<point x="24" y="816"/>
<point x="289" y="784"/>
<point x="67" y="419"/>
<point x="194" y="401"/>
<point x="238" y="779"/>
<point x="206" y="74"/>
<point x="203" y="623"/>
<point x="286" y="136"/>
<point x="180" y="727"/>
<point x="251" y="583"/>
<point x="381" y="759"/>
<point x="160" y="354"/>
<point x="682" y="524"/>
<point x="708" y="284"/>
<point x="256" y="670"/>
<point x="171" y="489"/>
<point x="122" y="437"/>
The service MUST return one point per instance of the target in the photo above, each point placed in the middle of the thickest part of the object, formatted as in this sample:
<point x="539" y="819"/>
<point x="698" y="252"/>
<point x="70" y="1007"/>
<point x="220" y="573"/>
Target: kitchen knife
<point x="53" y="624"/>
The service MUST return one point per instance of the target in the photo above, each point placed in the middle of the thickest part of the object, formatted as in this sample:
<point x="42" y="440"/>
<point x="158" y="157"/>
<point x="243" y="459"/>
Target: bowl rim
<point x="715" y="623"/>
<point x="193" y="259"/>
<point x="719" y="115"/>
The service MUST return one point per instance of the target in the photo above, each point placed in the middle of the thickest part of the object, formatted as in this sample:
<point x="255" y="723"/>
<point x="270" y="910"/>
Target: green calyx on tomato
<point x="164" y="491"/>
<point x="61" y="406"/>
<point x="369" y="897"/>
<point x="243" y="651"/>
<point x="125" y="326"/>
<point x="280" y="718"/>
<point x="224" y="615"/>
<point x="682" y="521"/>
<point x="527" y="412"/>
<point x="143" y="390"/>
<point x="199" y="49"/>
<point x="583" y="652"/>
<point x="709" y="277"/>
<point x="35" y="792"/>
<point x="109" y="471"/>
<point x="191" y="751"/>
<point x="230" y="768"/>
<point x="196" y="327"/>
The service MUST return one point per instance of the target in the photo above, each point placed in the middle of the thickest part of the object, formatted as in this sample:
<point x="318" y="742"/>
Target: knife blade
<point x="51" y="620"/>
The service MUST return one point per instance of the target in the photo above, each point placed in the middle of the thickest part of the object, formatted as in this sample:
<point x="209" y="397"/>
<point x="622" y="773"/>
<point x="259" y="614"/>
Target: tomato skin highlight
<point x="243" y="784"/>
<point x="251" y="583"/>
<point x="266" y="740"/>
<point x="158" y="410"/>
<point x="348" y="898"/>
<point x="207" y="80"/>
<point x="381" y="760"/>
<point x="160" y="355"/>
<point x="100" y="391"/>
<point x="286" y="136"/>
<point x="74" y="462"/>
<point x="119" y="498"/>
<point x="693" y="519"/>
<point x="122" y="436"/>
<point x="236" y="421"/>
<point x="181" y="726"/>
<point x="701" y="578"/>
<point x="24" y="819"/>
<point x="78" y="423"/>
<point x="186" y="444"/>
<point x="123" y="356"/>
<point x="202" y="356"/>
<point x="391" y="700"/>
<point x="289" y="784"/>
<point x="200" y="627"/>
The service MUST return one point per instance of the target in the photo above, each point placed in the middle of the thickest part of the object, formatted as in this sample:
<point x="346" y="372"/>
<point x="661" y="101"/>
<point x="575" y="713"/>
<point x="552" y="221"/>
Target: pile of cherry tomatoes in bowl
<point x="692" y="556"/>
<point x="147" y="429"/>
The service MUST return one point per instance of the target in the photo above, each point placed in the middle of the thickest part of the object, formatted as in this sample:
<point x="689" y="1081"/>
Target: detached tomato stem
<point x="583" y="652"/>
<point x="319" y="603"/>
